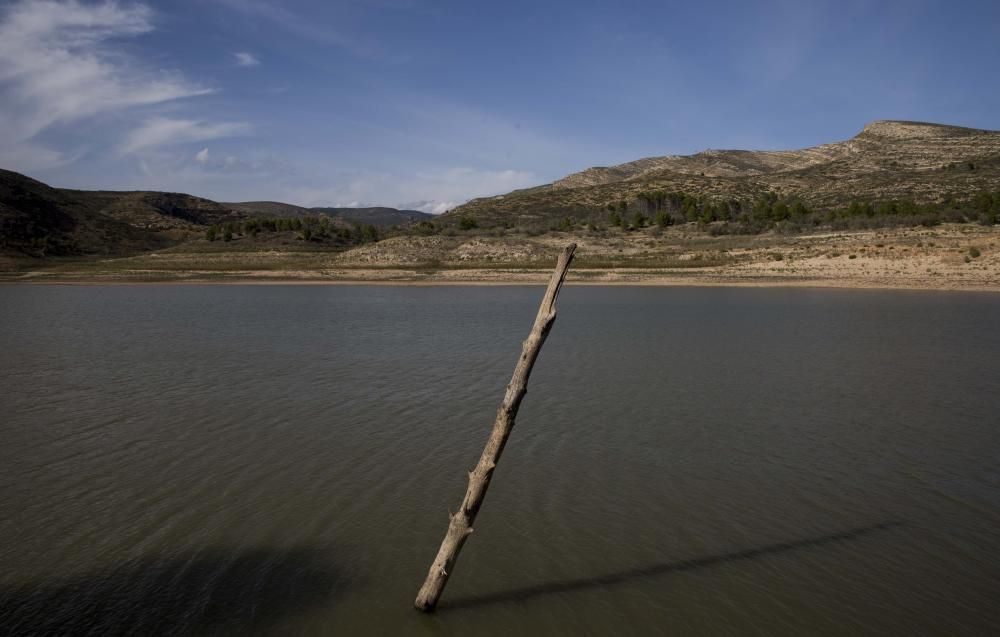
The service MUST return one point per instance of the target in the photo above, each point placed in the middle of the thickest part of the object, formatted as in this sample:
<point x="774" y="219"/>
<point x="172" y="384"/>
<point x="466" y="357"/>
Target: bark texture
<point x="460" y="524"/>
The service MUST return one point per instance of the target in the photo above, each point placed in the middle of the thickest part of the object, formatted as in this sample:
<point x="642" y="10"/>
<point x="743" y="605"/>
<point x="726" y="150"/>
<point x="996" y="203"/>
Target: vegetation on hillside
<point x="318" y="230"/>
<point x="767" y="211"/>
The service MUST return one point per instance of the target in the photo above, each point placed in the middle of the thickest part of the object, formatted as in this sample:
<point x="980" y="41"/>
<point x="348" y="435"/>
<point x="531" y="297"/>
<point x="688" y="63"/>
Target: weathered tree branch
<point x="460" y="525"/>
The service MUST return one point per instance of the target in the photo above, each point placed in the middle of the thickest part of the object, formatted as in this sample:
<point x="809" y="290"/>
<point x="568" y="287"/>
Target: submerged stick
<point x="460" y="525"/>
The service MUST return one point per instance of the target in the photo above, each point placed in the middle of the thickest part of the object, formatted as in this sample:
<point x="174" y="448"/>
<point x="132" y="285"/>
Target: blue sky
<point x="420" y="103"/>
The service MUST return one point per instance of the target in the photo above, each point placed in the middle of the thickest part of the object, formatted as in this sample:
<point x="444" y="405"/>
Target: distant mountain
<point x="886" y="160"/>
<point x="378" y="216"/>
<point x="381" y="217"/>
<point x="271" y="209"/>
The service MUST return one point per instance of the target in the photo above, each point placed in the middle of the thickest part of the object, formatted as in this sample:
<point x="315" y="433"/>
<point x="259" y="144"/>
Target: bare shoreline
<point x="945" y="258"/>
<point x="451" y="278"/>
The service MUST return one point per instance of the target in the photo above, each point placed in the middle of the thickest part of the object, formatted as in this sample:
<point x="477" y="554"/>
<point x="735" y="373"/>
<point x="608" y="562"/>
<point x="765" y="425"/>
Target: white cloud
<point x="160" y="131"/>
<point x="433" y="207"/>
<point x="202" y="156"/>
<point x="246" y="59"/>
<point x="56" y="69"/>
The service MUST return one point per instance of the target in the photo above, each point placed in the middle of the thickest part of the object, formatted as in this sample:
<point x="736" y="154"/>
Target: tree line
<point x="770" y="210"/>
<point x="311" y="229"/>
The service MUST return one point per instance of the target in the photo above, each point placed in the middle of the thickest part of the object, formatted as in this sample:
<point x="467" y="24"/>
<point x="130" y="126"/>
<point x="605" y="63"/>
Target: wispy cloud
<point x="276" y="14"/>
<point x="56" y="69"/>
<point x="244" y="58"/>
<point x="202" y="156"/>
<point x="160" y="131"/>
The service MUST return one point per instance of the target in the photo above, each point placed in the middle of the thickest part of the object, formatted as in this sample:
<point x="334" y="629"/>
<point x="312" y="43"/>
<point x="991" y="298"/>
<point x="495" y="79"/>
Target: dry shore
<point x="948" y="257"/>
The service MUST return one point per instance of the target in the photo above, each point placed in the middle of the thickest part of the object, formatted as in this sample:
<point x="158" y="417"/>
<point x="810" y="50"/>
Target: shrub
<point x="425" y="228"/>
<point x="974" y="252"/>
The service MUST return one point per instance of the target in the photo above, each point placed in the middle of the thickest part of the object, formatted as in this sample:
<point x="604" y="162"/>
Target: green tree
<point x="689" y="208"/>
<point x="907" y="207"/>
<point x="982" y="202"/>
<point x="885" y="208"/>
<point x="467" y="223"/>
<point x="723" y="211"/>
<point x="762" y="207"/>
<point x="212" y="233"/>
<point x="707" y="214"/>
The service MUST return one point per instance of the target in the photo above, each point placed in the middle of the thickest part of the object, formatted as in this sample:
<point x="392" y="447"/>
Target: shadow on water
<point x="212" y="591"/>
<point x="623" y="577"/>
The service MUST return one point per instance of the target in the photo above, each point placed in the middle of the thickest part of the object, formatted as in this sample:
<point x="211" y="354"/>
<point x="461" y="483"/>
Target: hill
<point x="271" y="209"/>
<point x="378" y="216"/>
<point x="887" y="160"/>
<point x="38" y="220"/>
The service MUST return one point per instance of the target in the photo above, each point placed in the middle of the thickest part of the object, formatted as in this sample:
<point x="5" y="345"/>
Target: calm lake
<point x="281" y="460"/>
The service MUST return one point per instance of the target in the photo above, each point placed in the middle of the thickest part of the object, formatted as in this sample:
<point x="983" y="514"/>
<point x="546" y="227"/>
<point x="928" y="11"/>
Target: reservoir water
<point x="281" y="460"/>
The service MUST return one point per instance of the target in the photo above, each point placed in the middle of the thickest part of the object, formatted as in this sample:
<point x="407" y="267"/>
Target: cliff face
<point x="887" y="159"/>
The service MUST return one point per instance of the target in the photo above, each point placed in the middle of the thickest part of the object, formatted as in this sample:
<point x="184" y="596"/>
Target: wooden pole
<point x="460" y="525"/>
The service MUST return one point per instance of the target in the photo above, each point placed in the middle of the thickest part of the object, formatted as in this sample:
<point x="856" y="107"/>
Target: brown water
<point x="281" y="460"/>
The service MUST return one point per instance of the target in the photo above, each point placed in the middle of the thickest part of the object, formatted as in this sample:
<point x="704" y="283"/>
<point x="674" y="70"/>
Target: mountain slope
<point x="886" y="160"/>
<point x="38" y="220"/>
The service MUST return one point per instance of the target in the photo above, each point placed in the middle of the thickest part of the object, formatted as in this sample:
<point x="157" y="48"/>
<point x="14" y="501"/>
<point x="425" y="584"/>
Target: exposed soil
<point x="958" y="256"/>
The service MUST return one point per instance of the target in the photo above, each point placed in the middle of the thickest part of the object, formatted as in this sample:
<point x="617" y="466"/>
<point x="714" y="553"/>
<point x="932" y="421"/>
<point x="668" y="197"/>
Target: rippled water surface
<point x="281" y="460"/>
